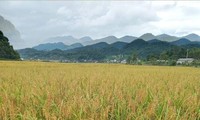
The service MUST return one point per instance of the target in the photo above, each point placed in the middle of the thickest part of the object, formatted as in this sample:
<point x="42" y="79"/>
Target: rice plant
<point x="41" y="90"/>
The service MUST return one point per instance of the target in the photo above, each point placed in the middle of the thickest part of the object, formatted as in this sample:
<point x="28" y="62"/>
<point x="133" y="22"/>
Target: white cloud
<point x="39" y="20"/>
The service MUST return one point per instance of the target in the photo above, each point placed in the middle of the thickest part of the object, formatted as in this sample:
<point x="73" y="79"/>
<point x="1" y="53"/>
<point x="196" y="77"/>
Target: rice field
<point x="74" y="91"/>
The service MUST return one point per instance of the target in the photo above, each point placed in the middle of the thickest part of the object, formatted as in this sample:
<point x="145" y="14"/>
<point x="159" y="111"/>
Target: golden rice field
<point x="39" y="90"/>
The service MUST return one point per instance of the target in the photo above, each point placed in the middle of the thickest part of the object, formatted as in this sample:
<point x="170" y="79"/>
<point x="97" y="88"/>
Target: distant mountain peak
<point x="166" y="37"/>
<point x="192" y="37"/>
<point x="85" y="39"/>
<point x="193" y="34"/>
<point x="163" y="35"/>
<point x="127" y="39"/>
<point x="147" y="36"/>
<point x="126" y="36"/>
<point x="182" y="41"/>
<point x="111" y="37"/>
<point x="139" y="39"/>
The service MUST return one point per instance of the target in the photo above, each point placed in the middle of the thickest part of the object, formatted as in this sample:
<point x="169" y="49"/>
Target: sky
<point x="39" y="20"/>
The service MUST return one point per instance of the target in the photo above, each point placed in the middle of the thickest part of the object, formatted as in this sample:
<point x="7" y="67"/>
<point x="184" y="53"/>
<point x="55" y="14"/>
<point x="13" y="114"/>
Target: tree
<point x="164" y="56"/>
<point x="133" y="59"/>
<point x="195" y="53"/>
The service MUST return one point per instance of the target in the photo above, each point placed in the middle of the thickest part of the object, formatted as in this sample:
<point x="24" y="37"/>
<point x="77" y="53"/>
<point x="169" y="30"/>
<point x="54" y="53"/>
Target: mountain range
<point x="103" y="50"/>
<point x="69" y="42"/>
<point x="111" y="39"/>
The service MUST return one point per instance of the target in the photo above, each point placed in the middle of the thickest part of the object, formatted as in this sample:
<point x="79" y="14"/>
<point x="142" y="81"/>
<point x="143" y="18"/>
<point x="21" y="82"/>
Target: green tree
<point x="195" y="53"/>
<point x="133" y="59"/>
<point x="164" y="56"/>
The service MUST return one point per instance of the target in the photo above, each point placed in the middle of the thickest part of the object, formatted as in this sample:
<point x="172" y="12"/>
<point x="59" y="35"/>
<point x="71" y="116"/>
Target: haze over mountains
<point x="111" y="39"/>
<point x="59" y="45"/>
<point x="63" y="42"/>
<point x="71" y="43"/>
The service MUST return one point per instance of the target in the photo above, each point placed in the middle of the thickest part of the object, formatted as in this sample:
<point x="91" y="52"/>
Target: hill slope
<point x="182" y="41"/>
<point x="6" y="50"/>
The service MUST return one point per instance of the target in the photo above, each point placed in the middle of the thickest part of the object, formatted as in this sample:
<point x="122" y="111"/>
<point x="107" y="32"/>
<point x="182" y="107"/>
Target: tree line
<point x="168" y="57"/>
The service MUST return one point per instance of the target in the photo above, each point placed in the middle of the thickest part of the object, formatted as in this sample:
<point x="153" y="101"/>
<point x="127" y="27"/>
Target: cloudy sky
<point x="37" y="21"/>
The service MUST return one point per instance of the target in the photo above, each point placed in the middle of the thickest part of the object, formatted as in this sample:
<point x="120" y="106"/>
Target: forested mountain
<point x="101" y="51"/>
<point x="108" y="47"/>
<point x="182" y="41"/>
<point x="6" y="50"/>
